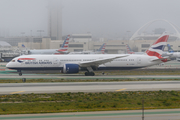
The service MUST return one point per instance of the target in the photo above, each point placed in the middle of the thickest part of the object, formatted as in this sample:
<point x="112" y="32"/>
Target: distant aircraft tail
<point x="129" y="51"/>
<point x="102" y="48"/>
<point x="65" y="45"/>
<point x="23" y="45"/>
<point x="158" y="47"/>
<point x="170" y="50"/>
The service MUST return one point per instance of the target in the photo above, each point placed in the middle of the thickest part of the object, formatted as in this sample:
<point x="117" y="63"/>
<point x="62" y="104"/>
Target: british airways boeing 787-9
<point x="74" y="63"/>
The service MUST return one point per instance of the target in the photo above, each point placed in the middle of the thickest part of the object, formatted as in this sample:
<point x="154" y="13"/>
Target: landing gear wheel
<point x="92" y="74"/>
<point x="86" y="73"/>
<point x="89" y="74"/>
<point x="20" y="74"/>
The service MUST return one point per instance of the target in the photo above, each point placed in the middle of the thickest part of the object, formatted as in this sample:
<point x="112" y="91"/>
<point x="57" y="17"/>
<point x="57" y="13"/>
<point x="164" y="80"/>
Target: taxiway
<point x="161" y="114"/>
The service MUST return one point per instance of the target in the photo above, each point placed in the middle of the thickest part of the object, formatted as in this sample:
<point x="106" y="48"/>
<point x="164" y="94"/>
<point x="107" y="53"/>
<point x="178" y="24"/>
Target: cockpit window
<point x="13" y="60"/>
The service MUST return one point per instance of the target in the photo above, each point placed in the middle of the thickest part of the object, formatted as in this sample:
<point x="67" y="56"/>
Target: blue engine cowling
<point x="70" y="68"/>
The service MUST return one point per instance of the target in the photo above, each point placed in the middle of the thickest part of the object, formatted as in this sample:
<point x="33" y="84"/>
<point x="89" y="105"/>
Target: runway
<point x="23" y="88"/>
<point x="161" y="114"/>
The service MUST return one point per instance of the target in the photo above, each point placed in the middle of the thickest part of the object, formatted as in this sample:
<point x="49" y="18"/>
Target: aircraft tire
<point x="89" y="74"/>
<point x="86" y="73"/>
<point x="20" y="74"/>
<point x="92" y="74"/>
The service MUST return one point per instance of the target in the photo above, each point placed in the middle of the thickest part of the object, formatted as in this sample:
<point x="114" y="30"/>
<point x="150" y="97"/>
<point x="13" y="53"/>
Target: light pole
<point x="40" y="31"/>
<point x="22" y="33"/>
<point x="22" y="37"/>
<point x="128" y="32"/>
<point x="31" y="33"/>
<point x="143" y="106"/>
<point x="31" y="42"/>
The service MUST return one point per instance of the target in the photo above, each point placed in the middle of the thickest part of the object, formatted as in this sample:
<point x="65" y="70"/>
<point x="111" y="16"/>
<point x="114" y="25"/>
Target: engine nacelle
<point x="70" y="68"/>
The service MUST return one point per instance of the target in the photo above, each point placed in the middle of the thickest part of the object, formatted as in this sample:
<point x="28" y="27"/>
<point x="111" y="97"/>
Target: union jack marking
<point x="158" y="47"/>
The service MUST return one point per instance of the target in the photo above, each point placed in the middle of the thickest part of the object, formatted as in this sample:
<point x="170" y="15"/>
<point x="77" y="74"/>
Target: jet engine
<point x="70" y="68"/>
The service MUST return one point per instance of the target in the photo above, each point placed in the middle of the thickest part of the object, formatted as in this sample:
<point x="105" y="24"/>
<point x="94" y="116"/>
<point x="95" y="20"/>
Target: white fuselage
<point x="56" y="62"/>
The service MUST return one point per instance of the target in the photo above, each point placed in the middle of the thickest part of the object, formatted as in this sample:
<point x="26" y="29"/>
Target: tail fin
<point x="65" y="45"/>
<point x="66" y="42"/>
<point x="129" y="51"/>
<point x="170" y="50"/>
<point x="102" y="48"/>
<point x="158" y="47"/>
<point x="23" y="45"/>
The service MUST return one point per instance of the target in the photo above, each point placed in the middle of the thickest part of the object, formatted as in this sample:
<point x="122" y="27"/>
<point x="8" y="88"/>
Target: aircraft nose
<point x="7" y="65"/>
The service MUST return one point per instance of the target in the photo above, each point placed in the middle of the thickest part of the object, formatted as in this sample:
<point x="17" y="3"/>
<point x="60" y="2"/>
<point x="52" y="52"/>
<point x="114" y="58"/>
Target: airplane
<point x="130" y="51"/>
<point x="70" y="64"/>
<point x="172" y="54"/>
<point x="62" y="50"/>
<point x="101" y="50"/>
<point x="23" y="45"/>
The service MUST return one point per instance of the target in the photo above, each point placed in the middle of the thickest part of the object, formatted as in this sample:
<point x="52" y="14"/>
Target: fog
<point x="103" y="18"/>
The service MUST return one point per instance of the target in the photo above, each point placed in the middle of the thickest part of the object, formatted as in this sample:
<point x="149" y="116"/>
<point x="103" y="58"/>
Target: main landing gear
<point x="89" y="72"/>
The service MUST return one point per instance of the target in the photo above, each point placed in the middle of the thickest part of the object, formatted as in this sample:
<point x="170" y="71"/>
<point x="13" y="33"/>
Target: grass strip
<point x="73" y="102"/>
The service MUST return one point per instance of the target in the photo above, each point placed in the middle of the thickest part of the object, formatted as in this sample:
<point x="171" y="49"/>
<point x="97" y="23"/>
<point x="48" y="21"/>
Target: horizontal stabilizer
<point x="160" y="59"/>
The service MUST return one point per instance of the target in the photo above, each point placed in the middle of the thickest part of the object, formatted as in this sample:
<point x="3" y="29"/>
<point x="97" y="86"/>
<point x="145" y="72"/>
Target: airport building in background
<point x="77" y="43"/>
<point x="139" y="42"/>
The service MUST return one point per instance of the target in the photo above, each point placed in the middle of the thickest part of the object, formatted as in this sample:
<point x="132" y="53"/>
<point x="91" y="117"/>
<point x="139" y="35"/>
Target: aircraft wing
<point x="98" y="62"/>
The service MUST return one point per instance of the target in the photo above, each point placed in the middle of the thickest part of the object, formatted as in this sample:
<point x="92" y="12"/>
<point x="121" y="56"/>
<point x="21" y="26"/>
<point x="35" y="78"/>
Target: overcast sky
<point x="103" y="18"/>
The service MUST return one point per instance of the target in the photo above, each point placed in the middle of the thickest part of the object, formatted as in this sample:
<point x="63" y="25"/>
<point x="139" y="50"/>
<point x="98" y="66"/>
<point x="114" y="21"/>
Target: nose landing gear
<point x="20" y="73"/>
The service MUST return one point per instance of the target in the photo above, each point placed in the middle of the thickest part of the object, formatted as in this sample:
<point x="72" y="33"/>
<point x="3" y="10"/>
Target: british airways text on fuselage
<point x="33" y="61"/>
<point x="38" y="62"/>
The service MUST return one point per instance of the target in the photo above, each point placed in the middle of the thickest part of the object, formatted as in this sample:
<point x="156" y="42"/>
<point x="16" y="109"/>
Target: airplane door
<point x="138" y="60"/>
<point x="55" y="62"/>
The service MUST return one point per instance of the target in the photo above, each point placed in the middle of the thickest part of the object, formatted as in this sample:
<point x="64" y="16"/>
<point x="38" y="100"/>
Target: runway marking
<point x="121" y="89"/>
<point x="17" y="92"/>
